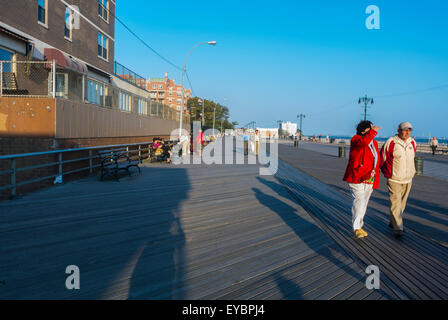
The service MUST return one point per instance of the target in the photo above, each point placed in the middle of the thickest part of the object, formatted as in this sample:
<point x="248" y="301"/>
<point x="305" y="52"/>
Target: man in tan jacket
<point x="397" y="165"/>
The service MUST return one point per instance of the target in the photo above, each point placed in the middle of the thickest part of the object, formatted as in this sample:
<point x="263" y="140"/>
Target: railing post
<point x="140" y="152"/>
<point x="127" y="151"/>
<point x="1" y="79"/>
<point x="54" y="78"/>
<point x="60" y="163"/>
<point x="13" y="177"/>
<point x="90" y="162"/>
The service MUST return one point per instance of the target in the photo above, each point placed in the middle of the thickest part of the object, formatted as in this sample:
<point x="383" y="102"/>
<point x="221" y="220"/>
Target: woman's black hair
<point x="363" y="125"/>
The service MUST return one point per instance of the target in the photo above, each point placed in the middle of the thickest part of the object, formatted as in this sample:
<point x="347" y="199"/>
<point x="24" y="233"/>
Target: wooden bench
<point x="115" y="160"/>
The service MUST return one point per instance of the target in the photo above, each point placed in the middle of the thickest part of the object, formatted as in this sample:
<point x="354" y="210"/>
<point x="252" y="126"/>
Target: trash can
<point x="342" y="151"/>
<point x="246" y="148"/>
<point x="418" y="166"/>
<point x="296" y="143"/>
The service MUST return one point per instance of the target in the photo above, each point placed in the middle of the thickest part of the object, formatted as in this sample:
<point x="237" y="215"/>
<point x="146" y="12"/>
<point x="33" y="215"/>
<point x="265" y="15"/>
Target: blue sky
<point x="275" y="59"/>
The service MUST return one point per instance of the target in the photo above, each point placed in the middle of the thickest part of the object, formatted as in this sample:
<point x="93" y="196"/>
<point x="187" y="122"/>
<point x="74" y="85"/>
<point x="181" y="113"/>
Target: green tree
<point x="222" y="113"/>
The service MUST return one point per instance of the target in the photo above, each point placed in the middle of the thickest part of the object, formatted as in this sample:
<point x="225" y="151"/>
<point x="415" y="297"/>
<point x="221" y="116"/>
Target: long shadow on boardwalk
<point x="292" y="219"/>
<point x="159" y="271"/>
<point x="125" y="237"/>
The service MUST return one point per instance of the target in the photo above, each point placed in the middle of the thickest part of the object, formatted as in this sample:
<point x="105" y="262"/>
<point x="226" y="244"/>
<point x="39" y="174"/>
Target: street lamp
<point x="212" y="43"/>
<point x="301" y="116"/>
<point x="214" y="117"/>
<point x="366" y="100"/>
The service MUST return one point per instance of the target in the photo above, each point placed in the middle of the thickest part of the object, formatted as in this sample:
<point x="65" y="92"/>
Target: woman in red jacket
<point x="362" y="173"/>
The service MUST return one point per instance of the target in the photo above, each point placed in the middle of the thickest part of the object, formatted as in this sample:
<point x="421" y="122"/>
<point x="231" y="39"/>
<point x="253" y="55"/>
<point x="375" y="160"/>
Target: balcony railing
<point x="124" y="73"/>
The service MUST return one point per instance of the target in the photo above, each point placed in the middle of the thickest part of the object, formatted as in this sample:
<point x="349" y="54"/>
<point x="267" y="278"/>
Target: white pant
<point x="361" y="193"/>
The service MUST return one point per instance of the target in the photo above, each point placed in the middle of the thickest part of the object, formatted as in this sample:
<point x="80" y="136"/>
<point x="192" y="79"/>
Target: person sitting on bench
<point x="166" y="151"/>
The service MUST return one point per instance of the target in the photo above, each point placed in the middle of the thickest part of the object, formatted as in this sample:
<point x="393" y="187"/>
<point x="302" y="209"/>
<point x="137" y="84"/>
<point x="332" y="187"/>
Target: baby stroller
<point x="159" y="152"/>
<point x="156" y="153"/>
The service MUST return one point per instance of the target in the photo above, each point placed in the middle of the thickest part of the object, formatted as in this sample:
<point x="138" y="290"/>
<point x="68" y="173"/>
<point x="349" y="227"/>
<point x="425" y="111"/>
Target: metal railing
<point x="129" y="75"/>
<point x="35" y="79"/>
<point x="135" y="151"/>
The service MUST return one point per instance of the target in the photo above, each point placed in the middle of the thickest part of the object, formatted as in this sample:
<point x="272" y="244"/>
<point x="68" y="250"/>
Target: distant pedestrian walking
<point x="362" y="173"/>
<point x="434" y="145"/>
<point x="255" y="142"/>
<point x="184" y="143"/>
<point x="397" y="165"/>
<point x="199" y="142"/>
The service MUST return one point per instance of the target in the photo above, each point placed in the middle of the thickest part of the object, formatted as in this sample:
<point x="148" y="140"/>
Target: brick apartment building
<point x="58" y="84"/>
<point x="87" y="47"/>
<point x="165" y="90"/>
<point x="79" y="36"/>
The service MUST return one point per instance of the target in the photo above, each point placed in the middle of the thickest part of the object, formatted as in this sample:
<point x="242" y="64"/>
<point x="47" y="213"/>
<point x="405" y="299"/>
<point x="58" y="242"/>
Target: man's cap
<point x="405" y="125"/>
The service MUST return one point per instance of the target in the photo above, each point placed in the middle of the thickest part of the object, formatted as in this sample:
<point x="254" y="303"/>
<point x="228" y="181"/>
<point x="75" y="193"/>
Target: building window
<point x="68" y="23"/>
<point x="42" y="13"/>
<point x="62" y="85"/>
<point x="124" y="103"/>
<point x="160" y="86"/>
<point x="103" y="9"/>
<point x="102" y="46"/>
<point x="95" y="92"/>
<point x="142" y="107"/>
<point x="154" y="86"/>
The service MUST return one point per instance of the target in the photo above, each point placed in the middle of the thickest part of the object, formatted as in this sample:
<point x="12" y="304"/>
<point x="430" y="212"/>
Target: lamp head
<point x="212" y="43"/>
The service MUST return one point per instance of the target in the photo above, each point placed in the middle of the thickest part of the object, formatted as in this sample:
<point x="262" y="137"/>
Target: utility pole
<point x="279" y="122"/>
<point x="214" y="110"/>
<point x="203" y="110"/>
<point x="366" y="101"/>
<point x="301" y="116"/>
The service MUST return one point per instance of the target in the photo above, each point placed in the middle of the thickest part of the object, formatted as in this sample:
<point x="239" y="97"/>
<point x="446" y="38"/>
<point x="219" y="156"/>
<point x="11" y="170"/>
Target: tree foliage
<point x="222" y="113"/>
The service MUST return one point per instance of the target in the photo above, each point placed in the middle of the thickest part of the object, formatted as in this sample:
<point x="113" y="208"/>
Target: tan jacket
<point x="397" y="159"/>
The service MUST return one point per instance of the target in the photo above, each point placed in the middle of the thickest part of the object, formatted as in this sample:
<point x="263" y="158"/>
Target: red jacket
<point x="361" y="161"/>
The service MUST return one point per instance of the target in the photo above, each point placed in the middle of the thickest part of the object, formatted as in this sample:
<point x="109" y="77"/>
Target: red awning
<point x="64" y="60"/>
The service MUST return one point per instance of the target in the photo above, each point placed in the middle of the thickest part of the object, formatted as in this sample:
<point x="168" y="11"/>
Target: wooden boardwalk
<point x="204" y="232"/>
<point x="173" y="232"/>
<point x="414" y="267"/>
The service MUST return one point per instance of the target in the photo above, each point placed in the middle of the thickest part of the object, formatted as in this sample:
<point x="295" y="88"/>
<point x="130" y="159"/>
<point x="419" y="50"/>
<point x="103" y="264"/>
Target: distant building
<point x="289" y="127"/>
<point x="166" y="91"/>
<point x="59" y="83"/>
<point x="269" y="133"/>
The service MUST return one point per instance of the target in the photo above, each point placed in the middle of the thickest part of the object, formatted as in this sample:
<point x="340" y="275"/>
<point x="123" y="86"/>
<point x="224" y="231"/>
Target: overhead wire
<point x="152" y="49"/>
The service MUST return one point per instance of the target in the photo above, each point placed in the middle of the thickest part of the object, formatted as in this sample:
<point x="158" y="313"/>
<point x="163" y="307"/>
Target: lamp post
<point x="301" y="116"/>
<point x="366" y="101"/>
<point x="212" y="43"/>
<point x="214" y="110"/>
<point x="203" y="102"/>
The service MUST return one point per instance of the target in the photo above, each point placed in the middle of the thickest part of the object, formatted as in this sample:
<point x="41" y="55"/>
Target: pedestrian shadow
<point x="299" y="225"/>
<point x="126" y="238"/>
<point x="159" y="271"/>
<point x="289" y="289"/>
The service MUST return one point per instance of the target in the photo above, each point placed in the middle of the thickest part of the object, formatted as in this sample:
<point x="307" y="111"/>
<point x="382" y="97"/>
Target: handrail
<point x="23" y="155"/>
<point x="60" y="162"/>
